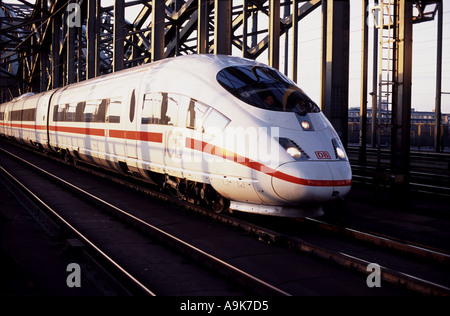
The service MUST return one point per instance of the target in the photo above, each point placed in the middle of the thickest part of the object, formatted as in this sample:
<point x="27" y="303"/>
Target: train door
<point x="7" y="120"/>
<point x="42" y="119"/>
<point x="175" y="108"/>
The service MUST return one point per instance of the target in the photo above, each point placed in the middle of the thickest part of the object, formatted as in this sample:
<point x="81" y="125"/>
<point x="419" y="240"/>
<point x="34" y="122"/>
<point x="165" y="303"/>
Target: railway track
<point x="85" y="201"/>
<point x="324" y="249"/>
<point x="430" y="172"/>
<point x="421" y="161"/>
<point x="292" y="274"/>
<point x="416" y="267"/>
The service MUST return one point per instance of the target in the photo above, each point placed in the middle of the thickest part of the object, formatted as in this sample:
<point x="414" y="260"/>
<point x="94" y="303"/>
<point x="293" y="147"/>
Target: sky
<point x="309" y="56"/>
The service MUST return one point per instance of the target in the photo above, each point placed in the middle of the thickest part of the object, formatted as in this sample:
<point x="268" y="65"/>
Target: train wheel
<point x="173" y="186"/>
<point x="219" y="203"/>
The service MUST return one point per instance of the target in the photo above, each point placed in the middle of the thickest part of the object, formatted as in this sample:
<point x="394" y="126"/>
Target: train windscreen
<point x="265" y="88"/>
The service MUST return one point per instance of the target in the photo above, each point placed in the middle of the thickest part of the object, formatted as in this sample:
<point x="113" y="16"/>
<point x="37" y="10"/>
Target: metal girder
<point x="274" y="34"/>
<point x="364" y="67"/>
<point x="118" y="42"/>
<point x="222" y="26"/>
<point x="92" y="33"/>
<point x="158" y="16"/>
<point x="438" y="144"/>
<point x="335" y="64"/>
<point x="106" y="42"/>
<point x="285" y="23"/>
<point x="202" y="26"/>
<point x="401" y="101"/>
<point x="44" y="51"/>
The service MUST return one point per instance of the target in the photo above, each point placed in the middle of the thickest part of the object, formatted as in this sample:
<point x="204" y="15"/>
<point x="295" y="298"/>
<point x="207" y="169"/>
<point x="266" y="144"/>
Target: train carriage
<point x="225" y="130"/>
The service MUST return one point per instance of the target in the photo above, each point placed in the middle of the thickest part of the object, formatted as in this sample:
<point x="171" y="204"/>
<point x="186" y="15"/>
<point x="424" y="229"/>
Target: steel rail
<point x="259" y="286"/>
<point x="407" y="247"/>
<point x="394" y="277"/>
<point x="54" y="214"/>
<point x="397" y="278"/>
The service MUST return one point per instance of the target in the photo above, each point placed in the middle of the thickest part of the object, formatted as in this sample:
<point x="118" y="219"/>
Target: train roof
<point x="209" y="65"/>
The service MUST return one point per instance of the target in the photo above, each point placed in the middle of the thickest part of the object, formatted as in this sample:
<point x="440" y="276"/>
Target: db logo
<point x="323" y="155"/>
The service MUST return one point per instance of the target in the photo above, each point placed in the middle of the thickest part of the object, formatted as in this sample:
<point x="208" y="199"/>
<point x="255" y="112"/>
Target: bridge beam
<point x="335" y="64"/>
<point x="401" y="100"/>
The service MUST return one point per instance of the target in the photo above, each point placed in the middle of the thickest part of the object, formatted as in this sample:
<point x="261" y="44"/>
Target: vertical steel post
<point x="335" y="64"/>
<point x="294" y="65"/>
<point x="43" y="53"/>
<point x="202" y="27"/>
<point x="222" y="27"/>
<point x="363" y="106"/>
<point x="274" y="34"/>
<point x="158" y="41"/>
<point x="118" y="35"/>
<point x="244" y="27"/>
<point x="79" y="55"/>
<point x="56" y="65"/>
<point x="374" y="93"/>
<point x="401" y="107"/>
<point x="287" y="12"/>
<point x="254" y="28"/>
<point x="91" y="34"/>
<point x="438" y="110"/>
<point x="70" y="62"/>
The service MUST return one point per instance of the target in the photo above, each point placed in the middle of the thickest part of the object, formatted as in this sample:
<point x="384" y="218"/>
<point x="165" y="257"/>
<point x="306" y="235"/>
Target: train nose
<point x="312" y="181"/>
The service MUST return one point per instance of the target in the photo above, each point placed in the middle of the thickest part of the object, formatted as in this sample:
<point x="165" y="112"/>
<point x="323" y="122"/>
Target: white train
<point x="228" y="131"/>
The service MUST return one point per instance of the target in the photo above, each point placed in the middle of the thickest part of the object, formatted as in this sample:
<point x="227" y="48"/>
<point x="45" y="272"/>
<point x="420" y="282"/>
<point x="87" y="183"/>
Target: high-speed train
<point x="230" y="132"/>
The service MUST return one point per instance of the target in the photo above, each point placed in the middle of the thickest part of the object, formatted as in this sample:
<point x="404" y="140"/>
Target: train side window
<point x="55" y="113"/>
<point x="29" y="115"/>
<point x="89" y="111"/>
<point x="170" y="115"/>
<point x="16" y="115"/>
<point x="151" y="108"/>
<point x="114" y="109"/>
<point x="79" y="111"/>
<point x="215" y="123"/>
<point x="100" y="112"/>
<point x="195" y="114"/>
<point x="59" y="114"/>
<point x="2" y="116"/>
<point x="71" y="112"/>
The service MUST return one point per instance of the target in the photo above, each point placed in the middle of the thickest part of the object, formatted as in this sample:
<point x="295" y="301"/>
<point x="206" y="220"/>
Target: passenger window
<point x="115" y="107"/>
<point x="71" y="112"/>
<point x="59" y="114"/>
<point x="89" y="111"/>
<point x="29" y="115"/>
<point x="195" y="114"/>
<point x="215" y="123"/>
<point x="79" y="117"/>
<point x="169" y="110"/>
<point x="151" y="109"/>
<point x="100" y="113"/>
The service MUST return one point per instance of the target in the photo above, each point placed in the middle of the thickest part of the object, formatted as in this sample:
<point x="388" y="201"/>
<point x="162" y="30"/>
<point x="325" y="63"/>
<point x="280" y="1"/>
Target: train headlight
<point x="306" y="125"/>
<point x="338" y="149"/>
<point x="340" y="152"/>
<point x="293" y="149"/>
<point x="294" y="152"/>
